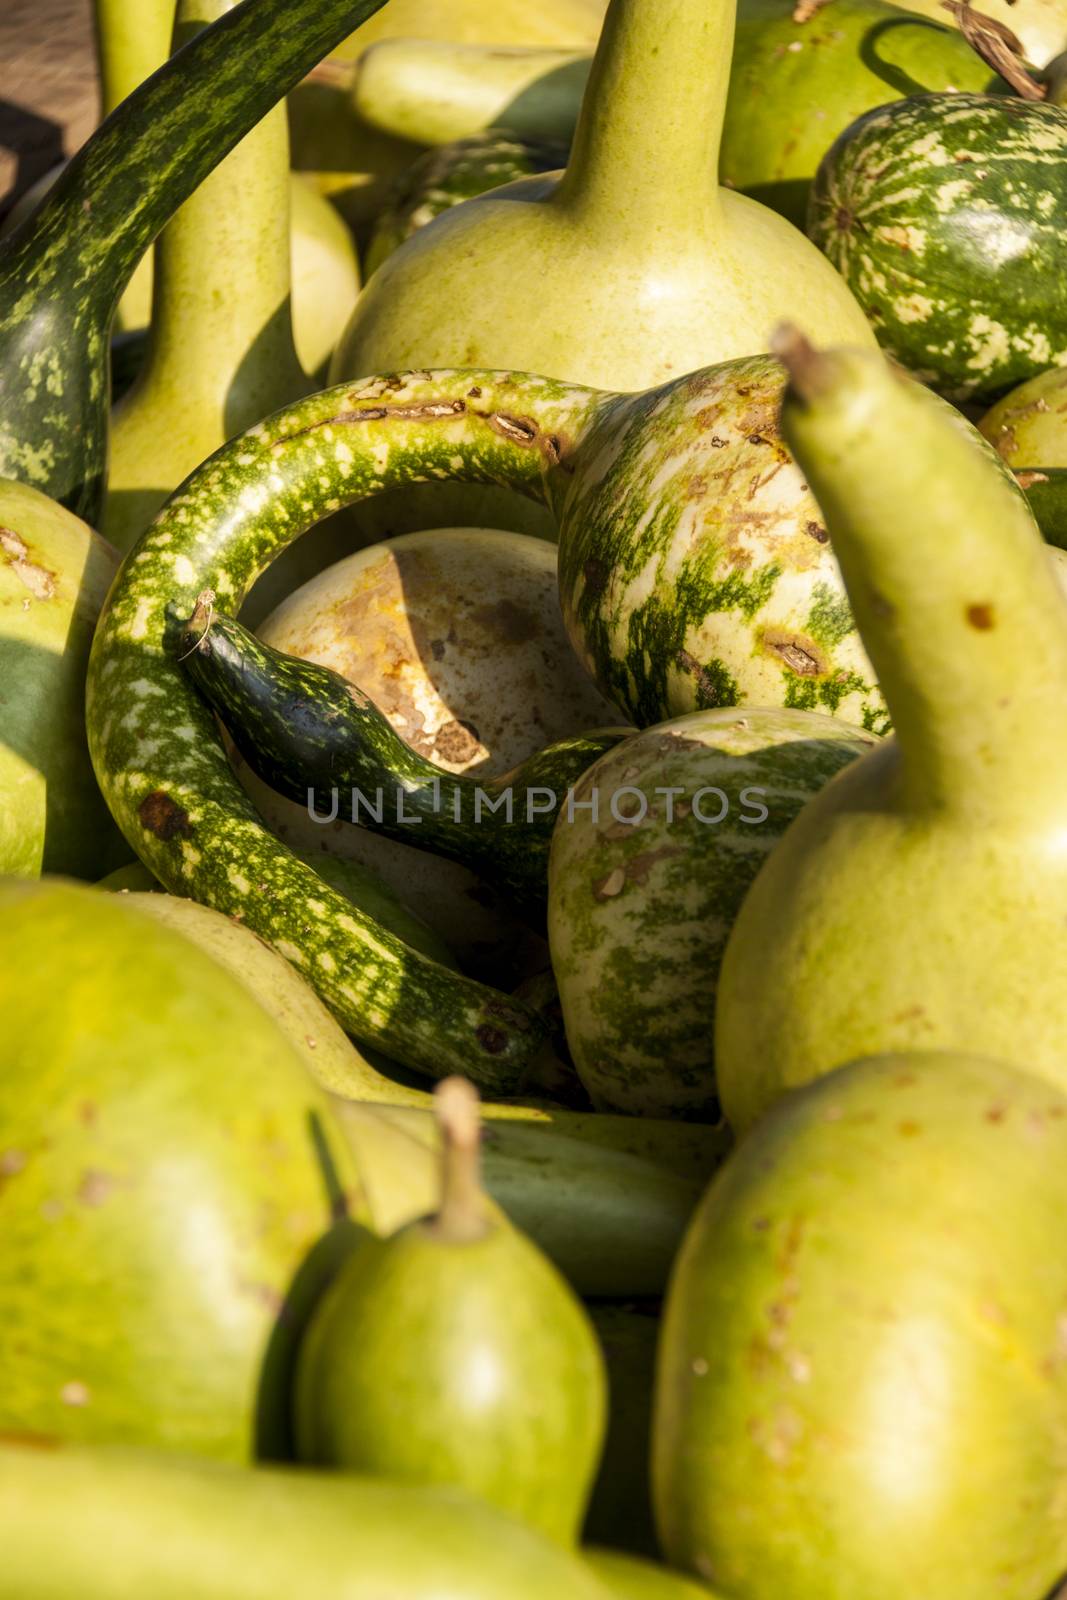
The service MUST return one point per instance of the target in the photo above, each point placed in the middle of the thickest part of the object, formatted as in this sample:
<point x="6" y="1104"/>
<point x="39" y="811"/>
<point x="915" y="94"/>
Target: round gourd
<point x="862" y="1385"/>
<point x="172" y="1184"/>
<point x="1028" y="426"/>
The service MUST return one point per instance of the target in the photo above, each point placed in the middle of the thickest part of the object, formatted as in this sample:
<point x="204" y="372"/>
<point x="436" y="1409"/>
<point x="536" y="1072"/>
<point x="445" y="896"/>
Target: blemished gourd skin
<point x="850" y="941"/>
<point x="861" y="1386"/>
<point x="106" y="1525"/>
<point x="628" y="478"/>
<point x="643" y="268"/>
<point x="944" y="214"/>
<point x="172" y="1178"/>
<point x="62" y="273"/>
<point x="1029" y="425"/>
<point x="639" y="911"/>
<point x="221" y="352"/>
<point x="54" y="574"/>
<point x="454" y="1353"/>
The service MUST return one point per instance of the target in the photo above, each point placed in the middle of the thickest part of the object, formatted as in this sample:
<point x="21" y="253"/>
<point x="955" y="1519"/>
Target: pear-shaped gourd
<point x="109" y="1524"/>
<point x="917" y="902"/>
<point x="650" y="863"/>
<point x="452" y="1353"/>
<point x="221" y="352"/>
<point x="172" y="1184"/>
<point x="631" y="268"/>
<point x="863" y="1344"/>
<point x="54" y="574"/>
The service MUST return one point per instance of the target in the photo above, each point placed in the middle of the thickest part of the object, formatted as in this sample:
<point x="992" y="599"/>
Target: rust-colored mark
<point x="95" y="1187"/>
<point x="38" y="580"/>
<point x="980" y="615"/>
<point x="797" y="659"/>
<point x="1027" y="479"/>
<point x="817" y="532"/>
<point x="164" y="817"/>
<point x="492" y="1040"/>
<point x="457" y="741"/>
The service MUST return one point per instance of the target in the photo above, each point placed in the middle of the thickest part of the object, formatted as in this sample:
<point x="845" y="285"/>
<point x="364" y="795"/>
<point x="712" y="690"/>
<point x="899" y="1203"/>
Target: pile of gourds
<point x="533" y="645"/>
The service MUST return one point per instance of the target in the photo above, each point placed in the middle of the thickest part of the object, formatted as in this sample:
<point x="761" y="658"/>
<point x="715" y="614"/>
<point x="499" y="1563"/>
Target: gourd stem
<point x="949" y="580"/>
<point x="461" y="1216"/>
<point x="645" y="155"/>
<point x="132" y="42"/>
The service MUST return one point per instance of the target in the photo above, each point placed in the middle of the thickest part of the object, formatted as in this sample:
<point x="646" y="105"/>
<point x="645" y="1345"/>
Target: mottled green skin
<point x="945" y="216"/>
<point x="795" y="86"/>
<point x="108" y="1525"/>
<point x="695" y="569"/>
<point x="155" y="746"/>
<point x="318" y="739"/>
<point x="862" y="1383"/>
<point x="452" y="173"/>
<point x="62" y="273"/>
<point x="167" y="1166"/>
<point x="465" y="1362"/>
<point x="54" y="574"/>
<point x="639" y="912"/>
<point x="1046" y="495"/>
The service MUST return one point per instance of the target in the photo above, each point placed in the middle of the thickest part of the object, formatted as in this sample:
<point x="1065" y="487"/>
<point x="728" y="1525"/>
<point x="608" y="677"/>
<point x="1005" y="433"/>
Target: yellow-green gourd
<point x="917" y="902"/>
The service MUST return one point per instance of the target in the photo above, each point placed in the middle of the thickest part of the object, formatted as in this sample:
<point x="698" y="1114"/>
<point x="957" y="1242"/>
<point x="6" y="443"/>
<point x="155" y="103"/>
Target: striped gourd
<point x="946" y="215"/>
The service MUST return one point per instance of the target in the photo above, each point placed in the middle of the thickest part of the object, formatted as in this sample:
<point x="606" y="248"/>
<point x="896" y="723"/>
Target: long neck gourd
<point x="221" y="352"/>
<point x="132" y="42"/>
<point x="632" y="267"/>
<point x="919" y="898"/>
<point x="63" y="271"/>
<point x="318" y="739"/>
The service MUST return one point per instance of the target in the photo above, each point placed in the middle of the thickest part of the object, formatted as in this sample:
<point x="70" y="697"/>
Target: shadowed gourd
<point x="54" y="574"/>
<point x="221" y="352"/>
<point x="651" y="270"/>
<point x="63" y="271"/>
<point x="862" y="1345"/>
<point x="851" y="940"/>
<point x="453" y="1353"/>
<point x="694" y="571"/>
<point x="106" y="1525"/>
<point x="797" y="80"/>
<point x="174" y="1185"/>
<point x="352" y="161"/>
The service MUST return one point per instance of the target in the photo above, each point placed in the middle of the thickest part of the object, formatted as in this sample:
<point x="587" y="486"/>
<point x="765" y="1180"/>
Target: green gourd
<point x="64" y="270"/>
<point x="447" y="176"/>
<point x="1027" y="426"/>
<point x="651" y="270"/>
<point x="630" y="1579"/>
<point x="319" y="740"/>
<point x="681" y="588"/>
<point x="54" y="574"/>
<point x="851" y="940"/>
<point x="173" y="1185"/>
<point x="647" y="873"/>
<point x="221" y="352"/>
<point x="353" y="162"/>
<point x="453" y="1353"/>
<point x="861" y="1385"/>
<point x="132" y="41"/>
<point x="797" y="81"/>
<point x="108" y="1525"/>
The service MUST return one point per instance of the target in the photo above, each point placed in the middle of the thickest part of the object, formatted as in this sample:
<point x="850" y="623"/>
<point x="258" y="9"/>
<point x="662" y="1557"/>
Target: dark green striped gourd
<point x="63" y="271"/>
<point x="946" y="215"/>
<point x="318" y="739"/>
<point x="695" y="571"/>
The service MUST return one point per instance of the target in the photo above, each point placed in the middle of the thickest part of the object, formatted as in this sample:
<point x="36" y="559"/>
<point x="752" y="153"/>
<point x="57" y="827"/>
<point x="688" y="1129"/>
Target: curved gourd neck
<point x="645" y="156"/>
<point x="950" y="582"/>
<point x="221" y="325"/>
<point x="132" y="42"/>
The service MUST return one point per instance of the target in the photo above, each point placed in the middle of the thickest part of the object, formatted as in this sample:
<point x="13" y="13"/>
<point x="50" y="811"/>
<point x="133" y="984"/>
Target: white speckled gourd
<point x="917" y="902"/>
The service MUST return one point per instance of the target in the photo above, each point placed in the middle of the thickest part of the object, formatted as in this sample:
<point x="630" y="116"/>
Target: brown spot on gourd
<point x="37" y="579"/>
<point x="457" y="741"/>
<point x="816" y="531"/>
<point x="596" y="574"/>
<point x="797" y="651"/>
<point x="163" y="816"/>
<point x="507" y="620"/>
<point x="611" y="886"/>
<point x="980" y="615"/>
<point x="492" y="1040"/>
<point x="95" y="1188"/>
